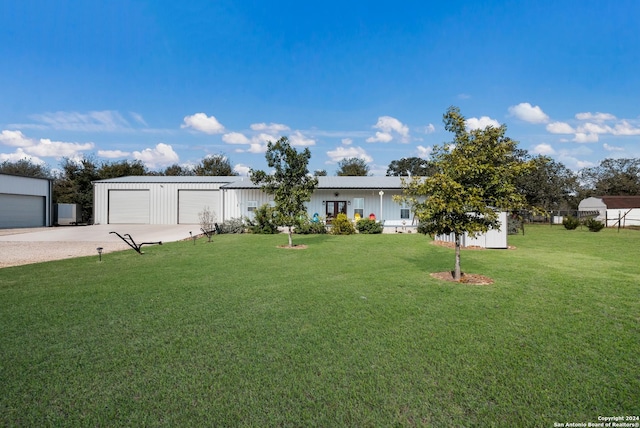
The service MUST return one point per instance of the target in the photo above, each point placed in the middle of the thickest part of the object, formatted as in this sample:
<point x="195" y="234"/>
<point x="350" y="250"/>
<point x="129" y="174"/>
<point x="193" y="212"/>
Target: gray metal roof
<point x="333" y="183"/>
<point x="235" y="182"/>
<point x="170" y="179"/>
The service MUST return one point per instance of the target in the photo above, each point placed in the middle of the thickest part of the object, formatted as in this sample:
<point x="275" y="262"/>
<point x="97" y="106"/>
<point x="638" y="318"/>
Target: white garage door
<point x="193" y="202"/>
<point x="22" y="211"/>
<point x="128" y="207"/>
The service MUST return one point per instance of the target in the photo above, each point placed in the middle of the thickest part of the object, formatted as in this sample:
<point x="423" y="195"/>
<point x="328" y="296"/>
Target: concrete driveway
<point x="24" y="246"/>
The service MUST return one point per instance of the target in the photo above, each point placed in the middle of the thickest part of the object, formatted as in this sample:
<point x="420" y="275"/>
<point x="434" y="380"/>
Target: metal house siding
<point x="192" y="202"/>
<point x="128" y="207"/>
<point x="37" y="193"/>
<point x="163" y="198"/>
<point x="22" y="211"/>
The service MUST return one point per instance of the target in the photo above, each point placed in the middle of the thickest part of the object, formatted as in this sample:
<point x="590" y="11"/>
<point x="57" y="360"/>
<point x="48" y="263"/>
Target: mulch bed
<point x="467" y="278"/>
<point x="295" y="247"/>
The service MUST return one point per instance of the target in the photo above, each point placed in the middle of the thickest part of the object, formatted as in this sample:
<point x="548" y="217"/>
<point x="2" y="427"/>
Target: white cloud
<point x="475" y="123"/>
<point x="424" y="152"/>
<point x="560" y="128"/>
<point x="111" y="154"/>
<point x="582" y="137"/>
<point x="161" y="155"/>
<point x="598" y="117"/>
<point x="299" y="140"/>
<point x="272" y="128"/>
<point x="543" y="149"/>
<point x="242" y="169"/>
<point x="203" y="123"/>
<point x="381" y="137"/>
<point x="256" y="148"/>
<point x="138" y="118"/>
<point x="347" y="141"/>
<point x="348" y="152"/>
<point x="15" y="139"/>
<point x="594" y="128"/>
<point x="430" y="129"/>
<point x="235" y="138"/>
<point x="464" y="96"/>
<point x="529" y="113"/>
<point x="106" y="120"/>
<point x="612" y="148"/>
<point x="20" y="155"/>
<point x="625" y="128"/>
<point x="57" y="149"/>
<point x="388" y="126"/>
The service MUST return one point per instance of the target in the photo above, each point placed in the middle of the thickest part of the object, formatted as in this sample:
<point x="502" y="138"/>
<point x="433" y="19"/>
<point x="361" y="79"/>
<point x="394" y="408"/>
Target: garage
<point x="24" y="201"/>
<point x="129" y="207"/>
<point x="192" y="202"/>
<point x="22" y="211"/>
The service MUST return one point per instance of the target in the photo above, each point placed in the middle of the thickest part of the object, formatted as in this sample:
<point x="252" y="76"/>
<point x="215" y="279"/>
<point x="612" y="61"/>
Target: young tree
<point x="216" y="165"/>
<point x="475" y="176"/>
<point x="290" y="184"/>
<point x="352" y="167"/>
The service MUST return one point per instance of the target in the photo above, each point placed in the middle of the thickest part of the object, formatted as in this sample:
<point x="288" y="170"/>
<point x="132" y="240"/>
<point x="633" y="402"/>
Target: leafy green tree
<point x="122" y="168"/>
<point x="410" y="167"/>
<point x="549" y="185"/>
<point x="352" y="167"/>
<point x="613" y="177"/>
<point x="177" y="170"/>
<point x="475" y="176"/>
<point x="320" y="173"/>
<point x="215" y="165"/>
<point x="290" y="184"/>
<point x="74" y="184"/>
<point x="25" y="168"/>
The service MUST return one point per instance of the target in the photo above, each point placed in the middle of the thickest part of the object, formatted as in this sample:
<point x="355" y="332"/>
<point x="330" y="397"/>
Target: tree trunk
<point x="457" y="274"/>
<point x="290" y="240"/>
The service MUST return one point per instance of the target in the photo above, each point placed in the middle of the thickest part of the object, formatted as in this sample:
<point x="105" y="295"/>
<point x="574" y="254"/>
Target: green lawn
<point x="349" y="332"/>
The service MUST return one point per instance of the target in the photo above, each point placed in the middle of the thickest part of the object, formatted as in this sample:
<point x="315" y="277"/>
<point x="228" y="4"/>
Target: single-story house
<point x="613" y="211"/>
<point x="179" y="200"/>
<point x="25" y="201"/>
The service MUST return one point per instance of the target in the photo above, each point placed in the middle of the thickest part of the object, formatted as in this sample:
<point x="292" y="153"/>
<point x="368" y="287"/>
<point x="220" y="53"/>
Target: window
<point x="252" y="206"/>
<point x="404" y="210"/>
<point x="358" y="207"/>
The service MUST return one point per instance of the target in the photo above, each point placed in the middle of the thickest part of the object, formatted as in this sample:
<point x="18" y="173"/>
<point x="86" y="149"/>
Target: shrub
<point x="307" y="227"/>
<point x="233" y="225"/>
<point x="366" y="225"/>
<point x="264" y="220"/>
<point x="594" y="225"/>
<point x="570" y="222"/>
<point x="424" y="228"/>
<point x="341" y="225"/>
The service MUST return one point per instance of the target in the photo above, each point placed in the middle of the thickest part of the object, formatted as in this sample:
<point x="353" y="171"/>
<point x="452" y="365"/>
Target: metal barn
<point x="25" y="201"/>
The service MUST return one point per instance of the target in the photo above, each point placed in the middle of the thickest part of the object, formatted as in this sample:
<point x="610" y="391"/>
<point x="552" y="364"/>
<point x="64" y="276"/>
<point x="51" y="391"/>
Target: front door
<point x="334" y="208"/>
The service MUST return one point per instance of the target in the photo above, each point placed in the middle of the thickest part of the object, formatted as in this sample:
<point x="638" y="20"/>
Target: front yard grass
<point x="351" y="331"/>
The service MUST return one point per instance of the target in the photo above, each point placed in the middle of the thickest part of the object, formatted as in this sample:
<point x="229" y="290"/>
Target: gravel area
<point x="24" y="253"/>
<point x="26" y="246"/>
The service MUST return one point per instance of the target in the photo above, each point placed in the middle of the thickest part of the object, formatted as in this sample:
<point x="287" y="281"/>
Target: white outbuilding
<point x="25" y="201"/>
<point x="613" y="211"/>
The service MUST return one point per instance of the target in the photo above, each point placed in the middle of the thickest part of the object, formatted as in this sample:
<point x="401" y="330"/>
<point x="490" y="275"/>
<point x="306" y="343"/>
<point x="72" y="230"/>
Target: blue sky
<point x="171" y="82"/>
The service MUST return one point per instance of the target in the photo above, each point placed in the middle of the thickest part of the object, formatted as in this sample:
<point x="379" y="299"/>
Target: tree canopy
<point x="26" y="168"/>
<point x="613" y="177"/>
<point x="352" y="167"/>
<point x="548" y="185"/>
<point x="474" y="177"/>
<point x="217" y="165"/>
<point x="290" y="184"/>
<point x="409" y="167"/>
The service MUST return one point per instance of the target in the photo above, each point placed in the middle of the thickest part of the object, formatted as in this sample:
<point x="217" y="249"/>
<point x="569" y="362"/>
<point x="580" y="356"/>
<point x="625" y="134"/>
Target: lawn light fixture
<point x="99" y="249"/>
<point x="193" y="237"/>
